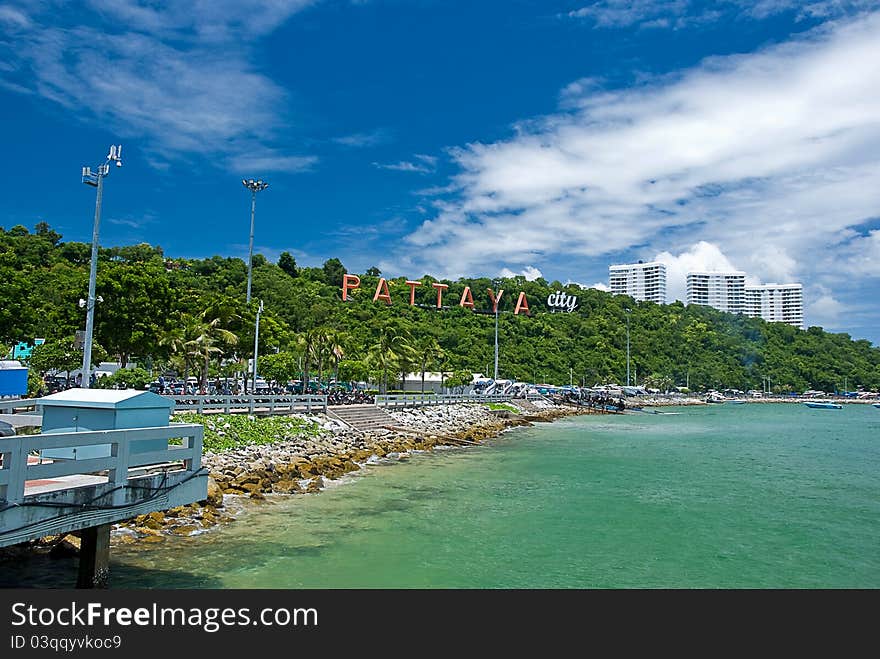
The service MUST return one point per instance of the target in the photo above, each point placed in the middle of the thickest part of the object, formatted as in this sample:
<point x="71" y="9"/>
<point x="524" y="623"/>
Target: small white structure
<point x="79" y="410"/>
<point x="433" y="381"/>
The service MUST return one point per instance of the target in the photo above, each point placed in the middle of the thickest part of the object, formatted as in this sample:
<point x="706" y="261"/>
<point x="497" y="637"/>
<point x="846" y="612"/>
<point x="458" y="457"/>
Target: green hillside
<point x="188" y="313"/>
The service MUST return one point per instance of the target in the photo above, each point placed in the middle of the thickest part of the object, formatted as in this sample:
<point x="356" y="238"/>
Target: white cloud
<point x="407" y="166"/>
<point x="529" y="272"/>
<point x="13" y="17"/>
<point x="361" y="140"/>
<point x="772" y="156"/>
<point x="825" y="310"/>
<point x="599" y="286"/>
<point x="702" y="256"/>
<point x="623" y="13"/>
<point x="678" y="14"/>
<point x="270" y="162"/>
<point x="180" y="78"/>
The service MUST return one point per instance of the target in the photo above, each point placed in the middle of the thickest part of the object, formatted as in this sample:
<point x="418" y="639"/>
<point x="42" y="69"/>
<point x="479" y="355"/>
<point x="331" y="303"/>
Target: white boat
<point x="823" y="406"/>
<point x="876" y="404"/>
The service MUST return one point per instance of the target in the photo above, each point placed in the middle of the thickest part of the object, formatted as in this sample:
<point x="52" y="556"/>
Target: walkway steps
<point x="525" y="405"/>
<point x="361" y="417"/>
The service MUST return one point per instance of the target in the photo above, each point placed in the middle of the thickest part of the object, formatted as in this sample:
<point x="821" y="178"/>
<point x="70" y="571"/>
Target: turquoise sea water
<point x="727" y="496"/>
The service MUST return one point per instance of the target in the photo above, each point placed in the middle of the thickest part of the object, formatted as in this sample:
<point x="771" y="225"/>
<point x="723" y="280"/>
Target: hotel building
<point x="724" y="291"/>
<point x="776" y="303"/>
<point x="642" y="281"/>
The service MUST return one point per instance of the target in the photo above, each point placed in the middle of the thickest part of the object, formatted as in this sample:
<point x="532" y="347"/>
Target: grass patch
<point x="502" y="406"/>
<point x="229" y="431"/>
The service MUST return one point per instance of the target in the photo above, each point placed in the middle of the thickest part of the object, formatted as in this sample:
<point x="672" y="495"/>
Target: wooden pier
<point x="40" y="497"/>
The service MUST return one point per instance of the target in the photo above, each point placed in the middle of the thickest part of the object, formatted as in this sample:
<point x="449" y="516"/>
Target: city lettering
<point x="561" y="300"/>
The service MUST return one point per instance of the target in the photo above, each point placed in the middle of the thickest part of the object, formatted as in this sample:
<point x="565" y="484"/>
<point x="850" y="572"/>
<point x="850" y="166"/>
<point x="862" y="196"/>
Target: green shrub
<point x="125" y="378"/>
<point x="230" y="431"/>
<point x="502" y="406"/>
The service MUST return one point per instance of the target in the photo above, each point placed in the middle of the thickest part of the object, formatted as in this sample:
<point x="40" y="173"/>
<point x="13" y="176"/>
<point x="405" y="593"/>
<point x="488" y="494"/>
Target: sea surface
<point x="721" y="496"/>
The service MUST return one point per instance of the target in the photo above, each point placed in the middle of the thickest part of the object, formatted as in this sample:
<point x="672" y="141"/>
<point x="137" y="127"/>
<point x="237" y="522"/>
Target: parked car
<point x="6" y="429"/>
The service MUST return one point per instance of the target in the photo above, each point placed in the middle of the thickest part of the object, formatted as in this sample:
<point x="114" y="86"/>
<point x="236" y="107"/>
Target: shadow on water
<point x="41" y="571"/>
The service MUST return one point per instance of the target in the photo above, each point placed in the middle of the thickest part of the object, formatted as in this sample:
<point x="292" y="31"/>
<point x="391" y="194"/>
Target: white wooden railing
<point x="15" y="470"/>
<point x="10" y="405"/>
<point x="230" y="404"/>
<point x="420" y="400"/>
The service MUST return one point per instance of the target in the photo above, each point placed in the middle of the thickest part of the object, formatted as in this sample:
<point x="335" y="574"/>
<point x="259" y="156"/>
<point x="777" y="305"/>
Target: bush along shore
<point x="250" y="458"/>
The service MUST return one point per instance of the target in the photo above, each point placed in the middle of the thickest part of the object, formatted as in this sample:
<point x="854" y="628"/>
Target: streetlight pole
<point x="254" y="187"/>
<point x="627" y="346"/>
<point x="256" y="344"/>
<point x="496" y="284"/>
<point x="95" y="179"/>
<point x="496" y="343"/>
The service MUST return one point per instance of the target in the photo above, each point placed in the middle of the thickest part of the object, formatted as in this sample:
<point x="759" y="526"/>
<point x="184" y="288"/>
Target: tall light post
<point x="496" y="345"/>
<point x="256" y="344"/>
<point x="628" y="311"/>
<point x="254" y="187"/>
<point x="496" y="283"/>
<point x="95" y="179"/>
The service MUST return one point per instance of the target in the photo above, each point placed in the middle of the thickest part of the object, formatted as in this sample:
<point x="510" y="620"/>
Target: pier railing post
<point x="194" y="443"/>
<point x="15" y="460"/>
<point x="118" y="474"/>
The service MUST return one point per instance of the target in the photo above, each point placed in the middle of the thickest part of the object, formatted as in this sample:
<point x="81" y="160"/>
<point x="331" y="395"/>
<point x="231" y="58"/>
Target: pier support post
<point x="94" y="557"/>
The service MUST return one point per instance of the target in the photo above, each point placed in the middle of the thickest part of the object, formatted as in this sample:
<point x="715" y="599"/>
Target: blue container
<point x="13" y="378"/>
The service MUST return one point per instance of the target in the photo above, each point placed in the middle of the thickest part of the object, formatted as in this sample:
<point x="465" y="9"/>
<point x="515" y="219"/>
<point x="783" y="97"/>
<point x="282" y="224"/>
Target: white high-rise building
<point x="642" y="281"/>
<point x="776" y="303"/>
<point x="724" y="291"/>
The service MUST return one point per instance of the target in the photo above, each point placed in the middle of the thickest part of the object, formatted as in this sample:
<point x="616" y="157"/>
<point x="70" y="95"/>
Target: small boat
<point x="824" y="406"/>
<point x="736" y="401"/>
<point x="876" y="405"/>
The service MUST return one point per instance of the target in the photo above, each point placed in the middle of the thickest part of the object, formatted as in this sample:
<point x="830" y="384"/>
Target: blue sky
<point x="464" y="138"/>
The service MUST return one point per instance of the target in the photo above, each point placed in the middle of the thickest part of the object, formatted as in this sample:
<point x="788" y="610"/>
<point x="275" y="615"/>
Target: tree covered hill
<point x="191" y="315"/>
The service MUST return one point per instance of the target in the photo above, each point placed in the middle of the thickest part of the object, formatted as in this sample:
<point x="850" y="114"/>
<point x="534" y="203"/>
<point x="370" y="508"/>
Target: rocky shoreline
<point x="303" y="465"/>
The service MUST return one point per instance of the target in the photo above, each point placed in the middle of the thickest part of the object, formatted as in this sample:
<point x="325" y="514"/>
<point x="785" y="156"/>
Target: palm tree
<point x="336" y="347"/>
<point x="321" y="350"/>
<point x="176" y="338"/>
<point x="391" y="351"/>
<point x="306" y="342"/>
<point x="428" y="351"/>
<point x="205" y="345"/>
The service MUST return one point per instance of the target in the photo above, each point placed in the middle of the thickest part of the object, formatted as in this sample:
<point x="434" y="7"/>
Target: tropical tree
<point x="208" y="343"/>
<point x="175" y="340"/>
<point x="288" y="264"/>
<point x="428" y="352"/>
<point x="336" y="350"/>
<point x="133" y="314"/>
<point x="390" y="353"/>
<point x="279" y="366"/>
<point x="333" y="272"/>
<point x="125" y="378"/>
<point x="62" y="355"/>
